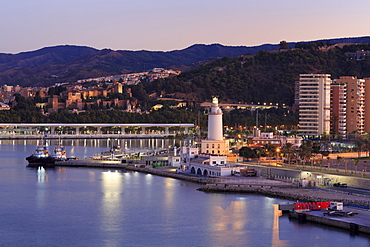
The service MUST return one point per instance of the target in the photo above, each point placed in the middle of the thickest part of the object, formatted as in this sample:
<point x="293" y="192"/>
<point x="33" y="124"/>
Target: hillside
<point x="266" y="77"/>
<point x="52" y="65"/>
<point x="58" y="64"/>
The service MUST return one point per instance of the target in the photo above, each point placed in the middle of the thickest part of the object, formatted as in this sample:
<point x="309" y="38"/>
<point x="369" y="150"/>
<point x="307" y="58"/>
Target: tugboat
<point x="40" y="157"/>
<point x="59" y="153"/>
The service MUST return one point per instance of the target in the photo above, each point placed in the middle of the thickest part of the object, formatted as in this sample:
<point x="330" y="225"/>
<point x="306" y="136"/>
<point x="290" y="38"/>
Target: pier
<point x="360" y="222"/>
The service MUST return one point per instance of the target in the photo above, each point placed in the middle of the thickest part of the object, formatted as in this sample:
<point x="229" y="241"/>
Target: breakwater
<point x="301" y="194"/>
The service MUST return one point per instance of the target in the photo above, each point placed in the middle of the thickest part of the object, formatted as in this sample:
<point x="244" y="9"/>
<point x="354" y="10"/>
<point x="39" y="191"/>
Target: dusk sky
<point x="164" y="25"/>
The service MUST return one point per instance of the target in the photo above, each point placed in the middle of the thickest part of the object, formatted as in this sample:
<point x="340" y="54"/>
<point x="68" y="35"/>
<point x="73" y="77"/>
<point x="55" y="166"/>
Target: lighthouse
<point x="212" y="158"/>
<point x="215" y="127"/>
<point x="215" y="144"/>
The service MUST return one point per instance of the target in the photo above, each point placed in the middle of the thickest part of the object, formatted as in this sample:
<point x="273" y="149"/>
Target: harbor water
<point x="66" y="206"/>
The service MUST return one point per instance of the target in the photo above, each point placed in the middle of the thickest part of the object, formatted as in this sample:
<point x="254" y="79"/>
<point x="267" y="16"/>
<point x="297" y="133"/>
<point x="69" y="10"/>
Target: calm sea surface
<point x="101" y="207"/>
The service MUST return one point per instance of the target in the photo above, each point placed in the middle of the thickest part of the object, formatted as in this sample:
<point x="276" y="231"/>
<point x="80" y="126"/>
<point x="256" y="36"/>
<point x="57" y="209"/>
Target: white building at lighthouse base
<point x="205" y="164"/>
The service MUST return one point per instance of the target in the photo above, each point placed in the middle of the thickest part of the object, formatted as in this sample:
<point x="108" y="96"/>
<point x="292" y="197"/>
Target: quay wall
<point x="330" y="222"/>
<point x="301" y="194"/>
<point x="351" y="179"/>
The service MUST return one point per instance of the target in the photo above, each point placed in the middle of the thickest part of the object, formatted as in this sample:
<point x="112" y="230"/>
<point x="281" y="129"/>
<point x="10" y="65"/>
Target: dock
<point x="88" y="163"/>
<point x="358" y="221"/>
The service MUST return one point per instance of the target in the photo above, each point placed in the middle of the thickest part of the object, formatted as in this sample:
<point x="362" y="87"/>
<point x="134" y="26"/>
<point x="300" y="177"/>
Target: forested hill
<point x="67" y="63"/>
<point x="51" y="65"/>
<point x="264" y="77"/>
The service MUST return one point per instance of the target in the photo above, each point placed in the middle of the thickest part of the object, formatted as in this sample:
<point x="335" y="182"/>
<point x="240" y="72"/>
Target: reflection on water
<point x="41" y="179"/>
<point x="100" y="145"/>
<point x="41" y="175"/>
<point x="144" y="144"/>
<point x="276" y="241"/>
<point x="97" y="207"/>
<point x="111" y="205"/>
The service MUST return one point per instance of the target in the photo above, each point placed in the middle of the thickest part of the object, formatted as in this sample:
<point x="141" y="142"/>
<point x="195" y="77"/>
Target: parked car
<point x="343" y="185"/>
<point x="336" y="184"/>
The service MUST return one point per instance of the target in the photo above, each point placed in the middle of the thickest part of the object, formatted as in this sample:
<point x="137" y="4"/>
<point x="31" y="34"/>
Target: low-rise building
<point x="4" y="107"/>
<point x="259" y="139"/>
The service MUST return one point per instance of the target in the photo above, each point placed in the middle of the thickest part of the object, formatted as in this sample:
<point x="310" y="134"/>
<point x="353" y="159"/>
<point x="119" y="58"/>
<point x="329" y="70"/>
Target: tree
<point x="305" y="151"/>
<point x="359" y="145"/>
<point x="284" y="45"/>
<point x="288" y="151"/>
<point x="247" y="152"/>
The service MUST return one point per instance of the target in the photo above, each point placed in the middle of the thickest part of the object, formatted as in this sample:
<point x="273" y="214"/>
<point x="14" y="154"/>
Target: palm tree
<point x="305" y="151"/>
<point x="288" y="151"/>
<point x="356" y="161"/>
<point x="338" y="162"/>
<point x="366" y="145"/>
<point x="360" y="146"/>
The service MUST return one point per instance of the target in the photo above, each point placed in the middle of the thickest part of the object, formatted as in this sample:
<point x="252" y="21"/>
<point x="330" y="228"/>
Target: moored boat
<point x="59" y="153"/>
<point x="114" y="152"/>
<point x="40" y="157"/>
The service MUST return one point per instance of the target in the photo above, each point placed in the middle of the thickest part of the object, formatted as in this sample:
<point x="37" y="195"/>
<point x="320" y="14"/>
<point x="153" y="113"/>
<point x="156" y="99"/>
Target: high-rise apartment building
<point x="314" y="104"/>
<point x="367" y="105"/>
<point x="348" y="105"/>
<point x="338" y="109"/>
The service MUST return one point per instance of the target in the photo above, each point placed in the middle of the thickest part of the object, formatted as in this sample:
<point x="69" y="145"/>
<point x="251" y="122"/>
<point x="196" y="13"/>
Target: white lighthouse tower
<point x="214" y="151"/>
<point x="215" y="128"/>
<point x="215" y="143"/>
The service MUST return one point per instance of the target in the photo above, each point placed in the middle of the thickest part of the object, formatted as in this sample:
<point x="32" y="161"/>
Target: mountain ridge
<point x="67" y="63"/>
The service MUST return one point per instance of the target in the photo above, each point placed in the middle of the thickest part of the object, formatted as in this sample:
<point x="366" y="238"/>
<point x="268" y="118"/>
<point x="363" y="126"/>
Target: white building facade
<point x="314" y="104"/>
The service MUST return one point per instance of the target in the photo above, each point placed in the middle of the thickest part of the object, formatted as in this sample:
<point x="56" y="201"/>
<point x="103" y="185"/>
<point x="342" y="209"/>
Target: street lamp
<point x="277" y="155"/>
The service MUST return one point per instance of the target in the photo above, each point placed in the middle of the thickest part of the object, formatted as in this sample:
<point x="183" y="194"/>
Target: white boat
<point x="40" y="157"/>
<point x="101" y="160"/>
<point x="59" y="153"/>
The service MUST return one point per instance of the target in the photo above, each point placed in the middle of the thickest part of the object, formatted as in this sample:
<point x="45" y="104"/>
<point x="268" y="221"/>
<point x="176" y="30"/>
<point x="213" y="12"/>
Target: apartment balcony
<point x="308" y="127"/>
<point x="308" y="91"/>
<point x="307" y="103"/>
<point x="308" y="111"/>
<point x="308" y="123"/>
<point x="309" y="116"/>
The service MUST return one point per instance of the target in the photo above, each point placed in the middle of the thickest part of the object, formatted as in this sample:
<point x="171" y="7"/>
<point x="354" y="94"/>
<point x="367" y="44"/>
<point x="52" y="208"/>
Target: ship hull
<point x="34" y="161"/>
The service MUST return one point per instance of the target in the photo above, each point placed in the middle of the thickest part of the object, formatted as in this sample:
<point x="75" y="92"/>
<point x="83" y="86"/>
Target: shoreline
<point x="270" y="188"/>
<point x="267" y="188"/>
<point x="262" y="186"/>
